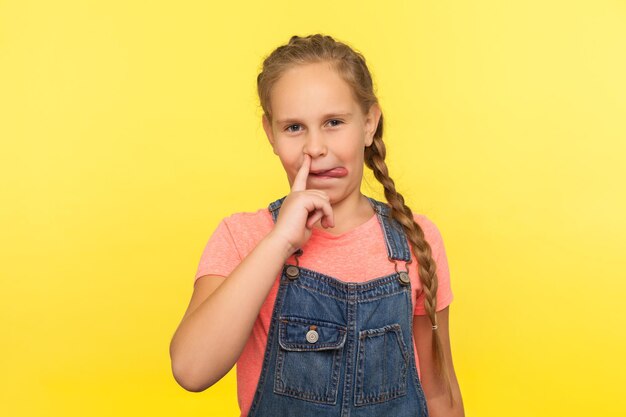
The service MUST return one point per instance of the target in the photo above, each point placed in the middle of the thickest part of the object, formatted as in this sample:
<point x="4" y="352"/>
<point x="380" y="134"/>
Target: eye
<point x="289" y="128"/>
<point x="335" y="120"/>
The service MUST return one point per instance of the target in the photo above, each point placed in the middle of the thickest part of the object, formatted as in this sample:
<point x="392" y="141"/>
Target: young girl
<point x="331" y="303"/>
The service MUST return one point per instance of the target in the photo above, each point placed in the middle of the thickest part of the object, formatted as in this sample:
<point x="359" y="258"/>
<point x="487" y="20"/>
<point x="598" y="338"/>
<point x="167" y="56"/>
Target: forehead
<point x="309" y="90"/>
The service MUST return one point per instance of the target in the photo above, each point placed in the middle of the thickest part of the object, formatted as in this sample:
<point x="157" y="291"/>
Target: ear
<point x="371" y="123"/>
<point x="267" y="126"/>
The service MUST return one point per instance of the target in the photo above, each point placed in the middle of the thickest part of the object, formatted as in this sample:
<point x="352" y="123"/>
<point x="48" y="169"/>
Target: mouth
<point x="336" y="172"/>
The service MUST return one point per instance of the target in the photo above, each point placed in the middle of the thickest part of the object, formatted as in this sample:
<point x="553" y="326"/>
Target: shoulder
<point x="425" y="222"/>
<point x="248" y="216"/>
<point x="249" y="223"/>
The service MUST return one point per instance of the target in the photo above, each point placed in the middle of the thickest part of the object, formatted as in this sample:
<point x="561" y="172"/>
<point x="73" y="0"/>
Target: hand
<point x="301" y="209"/>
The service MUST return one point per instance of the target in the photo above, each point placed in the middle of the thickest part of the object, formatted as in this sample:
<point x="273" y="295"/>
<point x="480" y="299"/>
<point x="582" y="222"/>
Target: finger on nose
<point x="302" y="175"/>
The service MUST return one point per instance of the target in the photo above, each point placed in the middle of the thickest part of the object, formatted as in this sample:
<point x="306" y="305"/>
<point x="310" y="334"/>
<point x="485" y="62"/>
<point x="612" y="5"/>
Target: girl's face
<point x="315" y="113"/>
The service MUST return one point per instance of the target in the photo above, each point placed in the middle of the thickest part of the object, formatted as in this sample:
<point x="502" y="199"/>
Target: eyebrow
<point x="326" y="116"/>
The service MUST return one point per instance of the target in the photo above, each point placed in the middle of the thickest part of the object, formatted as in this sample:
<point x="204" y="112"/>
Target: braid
<point x="427" y="268"/>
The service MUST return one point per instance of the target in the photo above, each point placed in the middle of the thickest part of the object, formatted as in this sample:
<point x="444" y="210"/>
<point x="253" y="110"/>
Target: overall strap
<point x="395" y="238"/>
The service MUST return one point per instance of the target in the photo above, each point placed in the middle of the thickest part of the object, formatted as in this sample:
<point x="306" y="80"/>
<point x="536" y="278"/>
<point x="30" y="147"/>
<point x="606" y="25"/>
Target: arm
<point x="436" y="396"/>
<point x="221" y="314"/>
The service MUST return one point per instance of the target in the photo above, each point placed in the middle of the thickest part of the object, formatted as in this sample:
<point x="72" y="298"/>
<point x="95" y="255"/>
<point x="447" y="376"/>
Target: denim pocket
<point x="308" y="368"/>
<point x="382" y="365"/>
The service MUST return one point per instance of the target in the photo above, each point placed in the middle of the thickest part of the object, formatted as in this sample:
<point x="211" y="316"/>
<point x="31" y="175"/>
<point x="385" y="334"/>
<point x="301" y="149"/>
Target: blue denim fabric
<point x="339" y="348"/>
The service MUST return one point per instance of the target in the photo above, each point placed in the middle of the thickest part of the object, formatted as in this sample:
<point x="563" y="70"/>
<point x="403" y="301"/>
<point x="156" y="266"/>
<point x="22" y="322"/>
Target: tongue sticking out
<point x="335" y="172"/>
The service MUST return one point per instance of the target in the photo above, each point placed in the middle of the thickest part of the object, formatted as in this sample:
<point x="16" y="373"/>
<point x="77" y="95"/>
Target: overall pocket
<point x="382" y="365"/>
<point x="307" y="367"/>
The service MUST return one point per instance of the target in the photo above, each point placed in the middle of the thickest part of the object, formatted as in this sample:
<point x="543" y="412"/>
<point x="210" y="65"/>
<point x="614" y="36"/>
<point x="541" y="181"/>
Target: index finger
<point x="299" y="183"/>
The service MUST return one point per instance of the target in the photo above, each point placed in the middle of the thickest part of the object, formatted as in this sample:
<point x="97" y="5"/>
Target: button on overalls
<point x="339" y="348"/>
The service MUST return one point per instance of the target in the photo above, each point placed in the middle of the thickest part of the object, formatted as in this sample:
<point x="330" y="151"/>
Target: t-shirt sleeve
<point x="220" y="255"/>
<point x="444" y="289"/>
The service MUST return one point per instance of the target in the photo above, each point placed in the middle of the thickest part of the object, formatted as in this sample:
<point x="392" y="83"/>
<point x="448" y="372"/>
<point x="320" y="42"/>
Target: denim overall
<point x="339" y="348"/>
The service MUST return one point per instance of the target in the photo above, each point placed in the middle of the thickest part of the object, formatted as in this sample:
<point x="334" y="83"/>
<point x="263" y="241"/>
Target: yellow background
<point x="129" y="129"/>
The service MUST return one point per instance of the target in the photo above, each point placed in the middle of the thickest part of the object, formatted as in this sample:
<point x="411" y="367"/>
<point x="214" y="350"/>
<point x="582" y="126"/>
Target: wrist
<point x="280" y="244"/>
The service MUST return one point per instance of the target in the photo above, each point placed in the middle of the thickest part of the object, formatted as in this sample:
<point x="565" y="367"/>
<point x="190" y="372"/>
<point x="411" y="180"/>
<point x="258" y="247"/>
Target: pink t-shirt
<point x="354" y="256"/>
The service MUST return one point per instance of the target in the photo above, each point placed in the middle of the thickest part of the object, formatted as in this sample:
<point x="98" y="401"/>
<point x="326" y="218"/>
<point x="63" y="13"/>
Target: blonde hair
<point x="351" y="66"/>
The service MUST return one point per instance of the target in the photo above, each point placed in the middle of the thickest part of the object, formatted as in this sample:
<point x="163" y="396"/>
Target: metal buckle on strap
<point x="404" y="275"/>
<point x="293" y="271"/>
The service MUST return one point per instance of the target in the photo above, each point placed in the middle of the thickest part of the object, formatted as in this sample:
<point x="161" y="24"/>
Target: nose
<point x="314" y="144"/>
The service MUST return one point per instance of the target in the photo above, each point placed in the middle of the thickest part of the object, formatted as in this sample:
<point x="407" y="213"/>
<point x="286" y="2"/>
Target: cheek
<point x="352" y="151"/>
<point x="290" y="163"/>
<point x="284" y="152"/>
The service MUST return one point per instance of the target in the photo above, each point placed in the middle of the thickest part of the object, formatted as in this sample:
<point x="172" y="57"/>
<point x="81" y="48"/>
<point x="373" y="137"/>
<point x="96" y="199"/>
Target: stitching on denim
<point x="397" y="291"/>
<point x="400" y="241"/>
<point x="388" y="239"/>
<point x="382" y="212"/>
<point x="305" y="320"/>
<point x="343" y="285"/>
<point x="348" y="377"/>
<point x="399" y="244"/>
<point x="274" y="206"/>
<point x="283" y="339"/>
<point x="416" y="381"/>
<point x="279" y="383"/>
<point x="330" y="398"/>
<point x="258" y="395"/>
<point x="380" y="297"/>
<point x="378" y="397"/>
